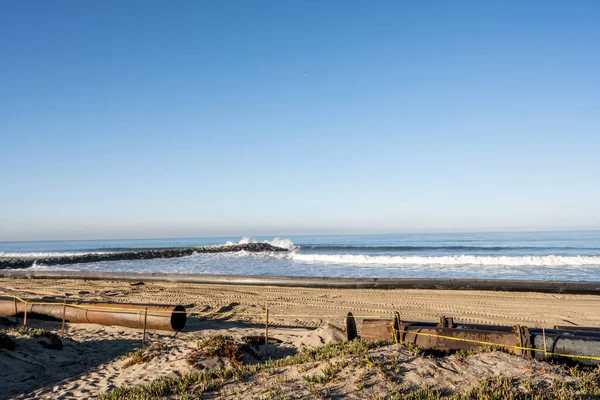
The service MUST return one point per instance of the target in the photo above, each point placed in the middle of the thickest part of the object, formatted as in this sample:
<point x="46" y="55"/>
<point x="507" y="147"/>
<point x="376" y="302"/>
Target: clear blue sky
<point x="197" y="118"/>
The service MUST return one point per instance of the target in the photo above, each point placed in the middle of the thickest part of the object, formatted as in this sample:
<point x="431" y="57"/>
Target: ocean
<point x="573" y="256"/>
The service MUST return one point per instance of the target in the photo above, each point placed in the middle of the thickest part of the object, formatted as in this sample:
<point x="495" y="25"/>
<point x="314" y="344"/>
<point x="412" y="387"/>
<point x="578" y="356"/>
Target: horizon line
<point x="306" y="235"/>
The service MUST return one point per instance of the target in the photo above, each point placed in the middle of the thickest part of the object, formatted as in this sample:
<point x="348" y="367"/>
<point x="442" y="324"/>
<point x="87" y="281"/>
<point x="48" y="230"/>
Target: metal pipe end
<point x="178" y="318"/>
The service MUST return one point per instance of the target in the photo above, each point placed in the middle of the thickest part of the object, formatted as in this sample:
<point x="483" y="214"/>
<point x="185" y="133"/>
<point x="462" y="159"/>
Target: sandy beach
<point x="299" y="200"/>
<point x="91" y="361"/>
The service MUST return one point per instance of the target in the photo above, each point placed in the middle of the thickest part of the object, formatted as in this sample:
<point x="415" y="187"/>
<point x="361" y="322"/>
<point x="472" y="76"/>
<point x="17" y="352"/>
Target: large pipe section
<point x="378" y="326"/>
<point x="582" y="346"/>
<point x="140" y="316"/>
<point x="567" y="343"/>
<point x="445" y="339"/>
<point x="569" y="287"/>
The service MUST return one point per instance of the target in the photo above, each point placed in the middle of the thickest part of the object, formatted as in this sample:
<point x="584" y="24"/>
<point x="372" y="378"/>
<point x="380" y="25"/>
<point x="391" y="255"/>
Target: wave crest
<point x="427" y="248"/>
<point x="362" y="259"/>
<point x="277" y="242"/>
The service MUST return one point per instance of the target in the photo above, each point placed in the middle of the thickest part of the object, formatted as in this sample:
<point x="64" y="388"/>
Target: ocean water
<point x="532" y="255"/>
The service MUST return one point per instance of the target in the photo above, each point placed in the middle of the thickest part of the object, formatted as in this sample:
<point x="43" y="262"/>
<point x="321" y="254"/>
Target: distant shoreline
<point x="26" y="262"/>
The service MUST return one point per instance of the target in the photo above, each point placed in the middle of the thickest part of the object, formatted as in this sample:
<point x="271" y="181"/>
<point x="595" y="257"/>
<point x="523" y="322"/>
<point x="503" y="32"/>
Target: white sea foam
<point x="361" y="259"/>
<point x="283" y="243"/>
<point x="277" y="242"/>
<point x="48" y="254"/>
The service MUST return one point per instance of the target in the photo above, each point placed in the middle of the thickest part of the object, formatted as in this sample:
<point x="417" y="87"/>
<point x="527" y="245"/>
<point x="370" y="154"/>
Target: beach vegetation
<point x="273" y="393"/>
<point x="217" y="346"/>
<point x="339" y="356"/>
<point x="414" y="349"/>
<point x="206" y="381"/>
<point x="143" y="355"/>
<point x="34" y="333"/>
<point x="328" y="373"/>
<point x="47" y="339"/>
<point x="503" y="387"/>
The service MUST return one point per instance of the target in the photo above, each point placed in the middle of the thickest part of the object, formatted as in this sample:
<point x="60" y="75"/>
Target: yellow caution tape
<point x="502" y="345"/>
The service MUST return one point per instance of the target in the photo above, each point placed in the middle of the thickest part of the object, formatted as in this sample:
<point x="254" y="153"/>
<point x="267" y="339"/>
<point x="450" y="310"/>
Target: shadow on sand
<point x="31" y="365"/>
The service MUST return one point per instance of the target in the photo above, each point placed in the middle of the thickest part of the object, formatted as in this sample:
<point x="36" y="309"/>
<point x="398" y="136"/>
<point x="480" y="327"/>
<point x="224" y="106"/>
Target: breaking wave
<point x="428" y="248"/>
<point x="361" y="259"/>
<point x="277" y="242"/>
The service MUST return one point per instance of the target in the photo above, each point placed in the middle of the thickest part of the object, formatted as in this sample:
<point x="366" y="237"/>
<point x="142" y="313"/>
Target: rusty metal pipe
<point x="373" y="329"/>
<point x="419" y="336"/>
<point x="376" y="326"/>
<point x="517" y="340"/>
<point x="589" y="331"/>
<point x="160" y="317"/>
<point x="593" y="332"/>
<point x="394" y="330"/>
<point x="382" y="329"/>
<point x="460" y="325"/>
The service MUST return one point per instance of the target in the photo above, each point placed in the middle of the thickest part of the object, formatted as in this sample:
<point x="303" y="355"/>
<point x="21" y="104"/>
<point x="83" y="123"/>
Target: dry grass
<point x="587" y="387"/>
<point x="143" y="355"/>
<point x="196" y="384"/>
<point x="217" y="346"/>
<point x="340" y="358"/>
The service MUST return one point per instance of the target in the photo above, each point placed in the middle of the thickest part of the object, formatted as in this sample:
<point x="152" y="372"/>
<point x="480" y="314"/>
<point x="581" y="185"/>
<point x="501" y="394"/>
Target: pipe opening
<point x="178" y="318"/>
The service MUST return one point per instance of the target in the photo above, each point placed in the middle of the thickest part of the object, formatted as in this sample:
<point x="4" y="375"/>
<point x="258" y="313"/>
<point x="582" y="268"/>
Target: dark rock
<point x="15" y="262"/>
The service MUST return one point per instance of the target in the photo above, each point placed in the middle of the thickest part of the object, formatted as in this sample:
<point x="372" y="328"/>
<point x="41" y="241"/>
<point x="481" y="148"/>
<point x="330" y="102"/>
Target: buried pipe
<point x="447" y="339"/>
<point x="385" y="328"/>
<point x="153" y="317"/>
<point x="540" y="345"/>
<point x="377" y="328"/>
<point x="579" y="346"/>
<point x="434" y="337"/>
<point x="572" y="330"/>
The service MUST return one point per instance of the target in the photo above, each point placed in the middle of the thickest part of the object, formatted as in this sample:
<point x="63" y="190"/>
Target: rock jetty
<point x="25" y="262"/>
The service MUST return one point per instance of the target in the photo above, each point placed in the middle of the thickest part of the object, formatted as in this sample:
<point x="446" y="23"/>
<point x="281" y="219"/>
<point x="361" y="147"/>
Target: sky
<point x="193" y="118"/>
